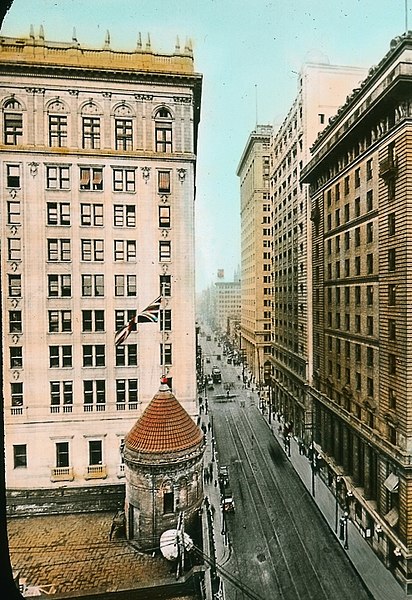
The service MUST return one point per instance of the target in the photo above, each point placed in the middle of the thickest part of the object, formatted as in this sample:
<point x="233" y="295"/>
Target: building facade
<point x="321" y="89"/>
<point x="255" y="224"/>
<point x="98" y="179"/>
<point x="359" y="179"/>
<point x="227" y="304"/>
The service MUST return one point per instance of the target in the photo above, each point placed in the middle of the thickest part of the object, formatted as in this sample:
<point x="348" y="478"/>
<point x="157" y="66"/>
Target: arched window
<point x="123" y="127"/>
<point x="163" y="130"/>
<point x="13" y="122"/>
<point x="57" y="124"/>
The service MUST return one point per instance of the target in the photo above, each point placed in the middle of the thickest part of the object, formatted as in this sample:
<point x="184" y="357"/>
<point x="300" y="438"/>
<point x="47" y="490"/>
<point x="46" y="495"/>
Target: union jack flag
<point x="151" y="313"/>
<point x="124" y="333"/>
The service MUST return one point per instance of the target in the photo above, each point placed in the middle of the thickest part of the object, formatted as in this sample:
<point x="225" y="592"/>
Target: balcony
<point x="96" y="472"/>
<point x="61" y="474"/>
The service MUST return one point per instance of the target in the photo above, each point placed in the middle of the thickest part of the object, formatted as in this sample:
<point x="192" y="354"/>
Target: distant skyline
<point x="249" y="52"/>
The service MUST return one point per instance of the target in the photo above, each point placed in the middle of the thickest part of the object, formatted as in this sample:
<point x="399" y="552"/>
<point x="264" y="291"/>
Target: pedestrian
<point x="211" y="470"/>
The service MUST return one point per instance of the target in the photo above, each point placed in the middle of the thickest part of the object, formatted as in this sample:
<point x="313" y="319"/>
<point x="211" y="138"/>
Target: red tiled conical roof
<point x="164" y="427"/>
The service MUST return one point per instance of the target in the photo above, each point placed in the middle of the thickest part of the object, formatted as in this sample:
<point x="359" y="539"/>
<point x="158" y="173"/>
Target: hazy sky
<point x="245" y="49"/>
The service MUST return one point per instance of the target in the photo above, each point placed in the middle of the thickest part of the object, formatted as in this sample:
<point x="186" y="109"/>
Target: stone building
<point x="163" y="456"/>
<point x="322" y="88"/>
<point x="360" y="191"/>
<point x="98" y="182"/>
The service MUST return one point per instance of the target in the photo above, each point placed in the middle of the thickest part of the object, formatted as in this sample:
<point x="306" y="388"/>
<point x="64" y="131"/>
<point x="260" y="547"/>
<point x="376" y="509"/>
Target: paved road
<point x="282" y="548"/>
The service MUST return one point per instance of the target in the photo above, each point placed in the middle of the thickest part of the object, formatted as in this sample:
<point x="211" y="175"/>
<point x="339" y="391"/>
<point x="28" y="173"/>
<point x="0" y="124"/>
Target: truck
<point x="216" y="375"/>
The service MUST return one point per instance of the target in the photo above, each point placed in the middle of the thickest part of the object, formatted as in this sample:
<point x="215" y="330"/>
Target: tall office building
<point x="253" y="172"/>
<point x="321" y="89"/>
<point x="359" y="179"/>
<point x="98" y="181"/>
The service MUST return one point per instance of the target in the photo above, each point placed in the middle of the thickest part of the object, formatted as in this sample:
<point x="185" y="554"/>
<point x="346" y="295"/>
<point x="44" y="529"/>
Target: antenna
<point x="256" y="100"/>
<point x="406" y="16"/>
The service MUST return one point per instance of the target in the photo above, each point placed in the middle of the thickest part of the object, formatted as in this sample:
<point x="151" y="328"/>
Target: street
<point x="281" y="546"/>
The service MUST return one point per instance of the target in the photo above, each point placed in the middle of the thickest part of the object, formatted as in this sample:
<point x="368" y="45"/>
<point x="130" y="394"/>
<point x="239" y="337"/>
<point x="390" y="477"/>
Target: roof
<point x="164" y="427"/>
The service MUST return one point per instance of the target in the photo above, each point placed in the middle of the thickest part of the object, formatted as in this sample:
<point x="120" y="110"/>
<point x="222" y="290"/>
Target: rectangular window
<point x="58" y="131"/>
<point x="392" y="259"/>
<point x="58" y="213"/>
<point x="61" y="393"/>
<point x="13" y="128"/>
<point x="92" y="320"/>
<point x="392" y="294"/>
<point x="165" y="251"/>
<point x="16" y="357"/>
<point x="126" y="391"/>
<point x="125" y="285"/>
<point x="13" y="212"/>
<point x="163" y="137"/>
<point x="16" y="390"/>
<point x="92" y="285"/>
<point x="60" y="321"/>
<point x="392" y="329"/>
<point x="369" y="295"/>
<point x="164" y="216"/>
<point x="392" y="364"/>
<point x="14" y="249"/>
<point x="95" y="452"/>
<point x="124" y="180"/>
<point x="91" y="132"/>
<point x="122" y="317"/>
<point x="165" y="354"/>
<point x="163" y="182"/>
<point x="165" y="320"/>
<point x="60" y="356"/>
<point x="369" y="170"/>
<point x="94" y="356"/>
<point x="57" y="178"/>
<point x="126" y="355"/>
<point x="391" y="224"/>
<point x="347" y="185"/>
<point x="13" y="176"/>
<point x="124" y="215"/>
<point x="14" y="286"/>
<point x="369" y="233"/>
<point x="62" y="454"/>
<point x="124" y="134"/>
<point x="91" y="178"/>
<point x="125" y="250"/>
<point x="94" y="392"/>
<point x="369" y="200"/>
<point x="19" y="456"/>
<point x="91" y="215"/>
<point x="369" y="264"/>
<point x="165" y="285"/>
<point x="92" y="250"/>
<point x="58" y="250"/>
<point x="15" y="321"/>
<point x="357" y="178"/>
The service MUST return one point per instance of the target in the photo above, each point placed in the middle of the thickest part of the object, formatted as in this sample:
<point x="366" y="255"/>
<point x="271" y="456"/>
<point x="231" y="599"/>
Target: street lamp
<point x="343" y="530"/>
<point x="337" y="482"/>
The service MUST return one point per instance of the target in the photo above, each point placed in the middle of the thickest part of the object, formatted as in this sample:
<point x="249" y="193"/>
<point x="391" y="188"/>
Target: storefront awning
<point x="392" y="482"/>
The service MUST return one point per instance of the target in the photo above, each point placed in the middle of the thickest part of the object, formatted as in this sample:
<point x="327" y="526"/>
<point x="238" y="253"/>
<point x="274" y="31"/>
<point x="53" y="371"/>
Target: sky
<point x="249" y="53"/>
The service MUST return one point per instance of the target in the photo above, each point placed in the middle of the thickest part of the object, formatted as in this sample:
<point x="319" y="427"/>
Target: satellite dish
<point x="169" y="545"/>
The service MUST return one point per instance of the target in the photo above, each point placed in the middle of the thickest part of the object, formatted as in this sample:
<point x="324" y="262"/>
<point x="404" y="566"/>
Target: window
<point x="123" y="134"/>
<point x="13" y="122"/>
<point x="92" y="250"/>
<point x="91" y="215"/>
<point x="125" y="250"/>
<point x="391" y="294"/>
<point x="124" y="215"/>
<point x="357" y="294"/>
<point x="369" y="200"/>
<point x="357" y="178"/>
<point x="13" y="176"/>
<point x="392" y="329"/>
<point x="59" y="286"/>
<point x="13" y="212"/>
<point x="58" y="250"/>
<point x="60" y="321"/>
<point x="163" y="182"/>
<point x="347" y="185"/>
<point x="14" y="249"/>
<point x="369" y="357"/>
<point x="125" y="285"/>
<point x="370" y="387"/>
<point x="91" y="132"/>
<point x="164" y="216"/>
<point x="369" y="264"/>
<point x="165" y="354"/>
<point x="165" y="251"/>
<point x="19" y="456"/>
<point x="61" y="392"/>
<point x="16" y="357"/>
<point x="392" y="364"/>
<point x="126" y="355"/>
<point x="94" y="356"/>
<point x="369" y="169"/>
<point x="58" y="131"/>
<point x="369" y="325"/>
<point x="392" y="398"/>
<point x="358" y="352"/>
<point x="122" y="317"/>
<point x="392" y="259"/>
<point x="14" y="286"/>
<point x="16" y="390"/>
<point x="15" y="321"/>
<point x="357" y="236"/>
<point x="57" y="178"/>
<point x="391" y="224"/>
<point x="124" y="180"/>
<point x="92" y="320"/>
<point x="91" y="178"/>
<point x="126" y="391"/>
<point x="357" y="265"/>
<point x="58" y="213"/>
<point x="95" y="452"/>
<point x="92" y="285"/>
<point x="357" y="207"/>
<point x="369" y="295"/>
<point x="163" y="131"/>
<point x="62" y="454"/>
<point x="60" y="356"/>
<point x="369" y="233"/>
<point x="165" y="285"/>
<point x="94" y="392"/>
<point x="168" y="502"/>
<point x="337" y="192"/>
<point x="166" y="320"/>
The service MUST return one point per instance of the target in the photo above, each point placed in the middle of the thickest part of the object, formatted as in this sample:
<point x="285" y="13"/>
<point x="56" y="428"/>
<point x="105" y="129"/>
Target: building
<point x="227" y="304"/>
<point x="322" y="88"/>
<point x="164" y="470"/>
<point x="255" y="224"/>
<point x="98" y="179"/>
<point x="361" y="236"/>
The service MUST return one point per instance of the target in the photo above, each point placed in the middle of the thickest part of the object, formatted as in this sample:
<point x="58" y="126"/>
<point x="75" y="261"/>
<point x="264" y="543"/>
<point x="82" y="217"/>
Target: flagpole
<point x="162" y="322"/>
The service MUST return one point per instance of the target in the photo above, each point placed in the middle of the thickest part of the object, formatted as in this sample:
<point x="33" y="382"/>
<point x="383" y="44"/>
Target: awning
<point x="391" y="483"/>
<point x="392" y="516"/>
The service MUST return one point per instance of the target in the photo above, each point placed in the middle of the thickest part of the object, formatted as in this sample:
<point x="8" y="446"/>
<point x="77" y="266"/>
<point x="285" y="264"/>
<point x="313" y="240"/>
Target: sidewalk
<point x="377" y="578"/>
